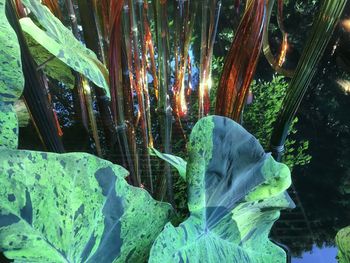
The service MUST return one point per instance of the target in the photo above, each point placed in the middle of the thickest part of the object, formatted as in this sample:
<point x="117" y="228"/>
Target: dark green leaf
<point x="74" y="208"/>
<point x="235" y="194"/>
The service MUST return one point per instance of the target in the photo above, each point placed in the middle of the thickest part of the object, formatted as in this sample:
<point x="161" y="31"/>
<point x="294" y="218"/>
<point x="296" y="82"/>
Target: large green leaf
<point x="8" y="126"/>
<point x="235" y="194"/>
<point x="11" y="81"/>
<point x="60" y="42"/>
<point x="177" y="162"/>
<point x="51" y="65"/>
<point x="343" y="242"/>
<point x="73" y="208"/>
<point x="22" y="113"/>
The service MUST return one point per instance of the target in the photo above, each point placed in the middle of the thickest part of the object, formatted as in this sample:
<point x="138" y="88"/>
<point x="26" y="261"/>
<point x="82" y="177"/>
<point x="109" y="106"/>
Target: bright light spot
<point x="346" y="24"/>
<point x="183" y="102"/>
<point x="344" y="84"/>
<point x="284" y="49"/>
<point x="209" y="83"/>
<point x="86" y="87"/>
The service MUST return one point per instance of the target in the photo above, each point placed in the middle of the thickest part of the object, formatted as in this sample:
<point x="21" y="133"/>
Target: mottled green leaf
<point x="11" y="81"/>
<point x="74" y="208"/>
<point x="177" y="162"/>
<point x="235" y="194"/>
<point x="60" y="42"/>
<point x="51" y="65"/>
<point x="343" y="242"/>
<point x="22" y="113"/>
<point x="8" y="126"/>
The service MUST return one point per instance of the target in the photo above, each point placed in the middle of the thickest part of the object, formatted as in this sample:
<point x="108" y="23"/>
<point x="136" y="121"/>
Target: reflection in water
<point x="319" y="255"/>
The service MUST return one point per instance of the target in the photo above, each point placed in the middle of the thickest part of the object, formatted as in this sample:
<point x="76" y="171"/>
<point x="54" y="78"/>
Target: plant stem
<point x="320" y="35"/>
<point x="164" y="108"/>
<point x="241" y="61"/>
<point x="35" y="93"/>
<point x="83" y="87"/>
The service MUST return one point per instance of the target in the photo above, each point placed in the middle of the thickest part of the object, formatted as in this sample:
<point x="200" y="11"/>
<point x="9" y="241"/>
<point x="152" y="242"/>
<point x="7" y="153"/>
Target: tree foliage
<point x="261" y="114"/>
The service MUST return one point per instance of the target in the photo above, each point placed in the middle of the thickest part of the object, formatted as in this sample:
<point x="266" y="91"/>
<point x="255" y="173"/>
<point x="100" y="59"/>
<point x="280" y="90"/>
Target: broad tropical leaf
<point x="177" y="162"/>
<point x="11" y="81"/>
<point x="51" y="65"/>
<point x="8" y="126"/>
<point x="22" y="113"/>
<point x="343" y="242"/>
<point x="60" y="42"/>
<point x="235" y="194"/>
<point x="73" y="208"/>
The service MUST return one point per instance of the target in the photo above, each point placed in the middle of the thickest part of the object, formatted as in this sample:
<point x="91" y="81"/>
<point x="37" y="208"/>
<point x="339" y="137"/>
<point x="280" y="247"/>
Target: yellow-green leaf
<point x="60" y="42"/>
<point x="235" y="191"/>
